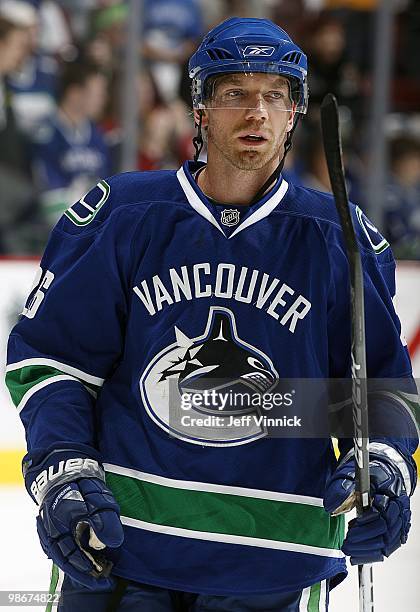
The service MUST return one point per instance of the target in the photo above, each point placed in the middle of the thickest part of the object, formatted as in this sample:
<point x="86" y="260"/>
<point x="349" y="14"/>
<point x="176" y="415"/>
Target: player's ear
<point x="204" y="117"/>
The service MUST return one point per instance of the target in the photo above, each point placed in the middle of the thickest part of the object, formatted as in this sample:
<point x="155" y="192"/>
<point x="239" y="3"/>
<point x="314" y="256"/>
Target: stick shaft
<point x="333" y="153"/>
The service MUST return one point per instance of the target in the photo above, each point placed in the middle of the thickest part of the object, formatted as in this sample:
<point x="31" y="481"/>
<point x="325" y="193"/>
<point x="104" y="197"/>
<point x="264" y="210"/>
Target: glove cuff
<point x="390" y="455"/>
<point x="59" y="467"/>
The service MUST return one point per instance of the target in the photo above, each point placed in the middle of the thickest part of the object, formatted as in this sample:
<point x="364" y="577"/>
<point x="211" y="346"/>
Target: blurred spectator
<point x="171" y="29"/>
<point x="55" y="36"/>
<point x="330" y="70"/>
<point x="358" y="19"/>
<point x="406" y="81"/>
<point x="315" y="175"/>
<point x="212" y="13"/>
<point x="411" y="37"/>
<point x="34" y="83"/>
<point x="402" y="208"/>
<point x="22" y="12"/>
<point x="291" y="17"/>
<point x="166" y="128"/>
<point x="107" y="39"/>
<point x="15" y="184"/>
<point x="78" y="14"/>
<point x="69" y="153"/>
<point x="237" y="8"/>
<point x="105" y="43"/>
<point x="166" y="140"/>
<point x="307" y="164"/>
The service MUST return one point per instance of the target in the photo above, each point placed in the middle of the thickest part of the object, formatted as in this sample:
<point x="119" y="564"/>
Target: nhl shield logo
<point x="230" y="217"/>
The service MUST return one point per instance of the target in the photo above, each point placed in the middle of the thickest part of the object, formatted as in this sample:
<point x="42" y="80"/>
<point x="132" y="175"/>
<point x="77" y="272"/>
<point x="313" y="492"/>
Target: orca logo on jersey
<point x="216" y="360"/>
<point x="230" y="217"/>
<point x="224" y="358"/>
<point x="86" y="209"/>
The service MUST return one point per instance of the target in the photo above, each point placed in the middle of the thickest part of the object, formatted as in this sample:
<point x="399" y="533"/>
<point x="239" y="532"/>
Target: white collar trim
<point x="265" y="209"/>
<point x="195" y="201"/>
<point x="256" y="216"/>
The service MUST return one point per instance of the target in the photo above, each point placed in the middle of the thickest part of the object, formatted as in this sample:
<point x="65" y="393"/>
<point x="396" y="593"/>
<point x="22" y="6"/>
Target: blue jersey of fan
<point x="146" y="289"/>
<point x="66" y="161"/>
<point x="34" y="90"/>
<point x="63" y="153"/>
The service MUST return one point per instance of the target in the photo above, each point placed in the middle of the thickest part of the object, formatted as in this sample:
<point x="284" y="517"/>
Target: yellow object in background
<point x="11" y="465"/>
<point x="356" y="5"/>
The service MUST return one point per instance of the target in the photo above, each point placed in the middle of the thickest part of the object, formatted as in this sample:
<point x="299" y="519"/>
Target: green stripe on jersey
<point x="223" y="513"/>
<point x="22" y="380"/>
<point x="313" y="603"/>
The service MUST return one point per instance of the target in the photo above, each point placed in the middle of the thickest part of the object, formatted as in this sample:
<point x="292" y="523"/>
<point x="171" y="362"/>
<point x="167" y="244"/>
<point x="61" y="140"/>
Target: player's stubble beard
<point x="248" y="159"/>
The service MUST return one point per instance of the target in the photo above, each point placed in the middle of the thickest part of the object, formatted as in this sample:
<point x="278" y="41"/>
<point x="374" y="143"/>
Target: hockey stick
<point x="333" y="154"/>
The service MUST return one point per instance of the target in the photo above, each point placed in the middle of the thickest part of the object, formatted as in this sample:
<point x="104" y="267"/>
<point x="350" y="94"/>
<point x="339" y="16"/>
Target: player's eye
<point x="275" y="95"/>
<point x="233" y="93"/>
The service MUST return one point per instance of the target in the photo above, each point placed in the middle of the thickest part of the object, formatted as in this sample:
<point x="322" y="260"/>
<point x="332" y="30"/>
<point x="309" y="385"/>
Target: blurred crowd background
<point x="62" y="101"/>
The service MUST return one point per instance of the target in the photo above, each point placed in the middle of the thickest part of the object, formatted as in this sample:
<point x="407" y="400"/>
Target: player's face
<point x="14" y="50"/>
<point x="95" y="96"/>
<point x="248" y="119"/>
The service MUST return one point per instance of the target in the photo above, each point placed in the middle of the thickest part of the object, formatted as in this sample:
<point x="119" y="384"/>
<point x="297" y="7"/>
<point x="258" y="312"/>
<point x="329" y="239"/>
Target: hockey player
<point x="154" y="285"/>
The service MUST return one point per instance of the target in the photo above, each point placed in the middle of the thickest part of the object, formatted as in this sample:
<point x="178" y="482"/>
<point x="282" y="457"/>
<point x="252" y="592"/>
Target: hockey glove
<point x="78" y="522"/>
<point x="379" y="531"/>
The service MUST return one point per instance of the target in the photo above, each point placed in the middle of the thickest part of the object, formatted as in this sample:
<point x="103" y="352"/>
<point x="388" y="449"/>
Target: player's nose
<point x="258" y="109"/>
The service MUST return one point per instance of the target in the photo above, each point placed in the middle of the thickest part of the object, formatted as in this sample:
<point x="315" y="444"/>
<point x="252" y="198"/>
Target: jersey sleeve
<point x="70" y="335"/>
<point x="392" y="392"/>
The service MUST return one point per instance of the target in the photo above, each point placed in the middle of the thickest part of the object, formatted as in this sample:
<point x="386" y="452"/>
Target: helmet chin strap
<point x="198" y="141"/>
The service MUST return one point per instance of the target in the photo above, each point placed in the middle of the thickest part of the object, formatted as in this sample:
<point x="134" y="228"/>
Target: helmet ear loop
<point x="198" y="141"/>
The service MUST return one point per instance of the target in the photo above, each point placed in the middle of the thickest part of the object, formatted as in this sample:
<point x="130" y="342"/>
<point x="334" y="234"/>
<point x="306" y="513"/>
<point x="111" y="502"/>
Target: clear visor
<point x="250" y="91"/>
<point x="270" y="101"/>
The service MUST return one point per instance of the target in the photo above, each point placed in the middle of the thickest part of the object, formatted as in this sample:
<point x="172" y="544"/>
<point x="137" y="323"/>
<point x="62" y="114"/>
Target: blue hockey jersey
<point x="66" y="161"/>
<point x="145" y="290"/>
<point x="34" y="89"/>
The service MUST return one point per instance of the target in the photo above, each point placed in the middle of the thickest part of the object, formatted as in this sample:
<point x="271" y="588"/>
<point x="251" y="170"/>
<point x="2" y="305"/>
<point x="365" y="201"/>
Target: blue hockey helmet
<point x="248" y="45"/>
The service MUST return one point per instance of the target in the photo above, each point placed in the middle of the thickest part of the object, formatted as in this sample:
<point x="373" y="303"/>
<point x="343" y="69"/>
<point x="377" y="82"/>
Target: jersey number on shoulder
<point x="86" y="209"/>
<point x="42" y="282"/>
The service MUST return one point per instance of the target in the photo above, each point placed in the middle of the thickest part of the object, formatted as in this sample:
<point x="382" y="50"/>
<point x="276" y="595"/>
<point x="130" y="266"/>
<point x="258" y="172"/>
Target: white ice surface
<point x="24" y="566"/>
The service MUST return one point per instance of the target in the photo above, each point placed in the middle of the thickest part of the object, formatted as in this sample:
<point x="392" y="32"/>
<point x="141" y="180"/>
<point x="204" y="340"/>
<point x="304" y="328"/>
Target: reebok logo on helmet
<point x="252" y="50"/>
